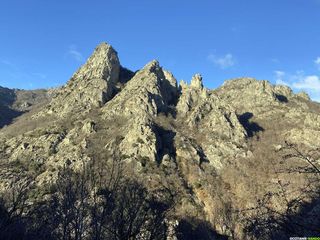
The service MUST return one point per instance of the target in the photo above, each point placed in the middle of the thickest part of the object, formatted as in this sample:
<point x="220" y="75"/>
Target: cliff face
<point x="218" y="148"/>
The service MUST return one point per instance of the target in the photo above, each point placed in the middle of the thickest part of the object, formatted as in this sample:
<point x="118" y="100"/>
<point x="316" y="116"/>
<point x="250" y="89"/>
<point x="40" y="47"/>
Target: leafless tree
<point x="299" y="215"/>
<point x="13" y="206"/>
<point x="98" y="202"/>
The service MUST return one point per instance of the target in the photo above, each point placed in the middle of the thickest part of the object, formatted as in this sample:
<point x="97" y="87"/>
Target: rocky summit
<point x="238" y="159"/>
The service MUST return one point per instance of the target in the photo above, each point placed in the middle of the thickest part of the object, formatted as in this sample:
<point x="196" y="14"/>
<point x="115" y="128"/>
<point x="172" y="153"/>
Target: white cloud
<point x="300" y="82"/>
<point x="317" y="62"/>
<point x="279" y="76"/>
<point x="75" y="54"/>
<point x="223" y="62"/>
<point x="311" y="83"/>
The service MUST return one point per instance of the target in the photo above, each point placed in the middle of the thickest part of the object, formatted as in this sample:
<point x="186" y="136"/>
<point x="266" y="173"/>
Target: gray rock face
<point x="91" y="86"/>
<point x="201" y="110"/>
<point x="196" y="82"/>
<point x="102" y="64"/>
<point x="304" y="95"/>
<point x="152" y="89"/>
<point x="217" y="148"/>
<point x="149" y="89"/>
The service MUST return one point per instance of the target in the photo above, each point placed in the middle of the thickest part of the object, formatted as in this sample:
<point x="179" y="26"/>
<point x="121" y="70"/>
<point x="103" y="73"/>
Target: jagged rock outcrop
<point x="304" y="95"/>
<point x="272" y="104"/>
<point x="196" y="82"/>
<point x="148" y="89"/>
<point x="190" y="95"/>
<point x="213" y="119"/>
<point x="153" y="90"/>
<point x="92" y="85"/>
<point x="217" y="148"/>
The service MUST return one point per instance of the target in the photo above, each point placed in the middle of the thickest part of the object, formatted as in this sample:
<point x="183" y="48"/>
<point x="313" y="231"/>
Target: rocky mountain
<point x="15" y="102"/>
<point x="222" y="151"/>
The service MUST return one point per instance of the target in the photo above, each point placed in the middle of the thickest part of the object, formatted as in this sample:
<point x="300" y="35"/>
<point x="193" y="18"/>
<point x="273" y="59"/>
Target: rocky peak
<point x="196" y="81"/>
<point x="152" y="66"/>
<point x="249" y="93"/>
<point x="215" y="148"/>
<point x="191" y="94"/>
<point x="158" y="78"/>
<point x="303" y="95"/>
<point x="92" y="85"/>
<point x="245" y="81"/>
<point x="102" y="64"/>
<point x="183" y="85"/>
<point x="150" y="91"/>
<point x="283" y="90"/>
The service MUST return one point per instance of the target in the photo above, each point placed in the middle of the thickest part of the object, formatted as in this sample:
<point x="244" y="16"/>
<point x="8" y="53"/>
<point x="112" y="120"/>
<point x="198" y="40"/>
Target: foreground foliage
<point x="85" y="206"/>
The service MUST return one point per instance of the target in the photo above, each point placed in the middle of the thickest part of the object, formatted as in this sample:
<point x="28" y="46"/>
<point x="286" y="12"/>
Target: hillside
<point x="223" y="152"/>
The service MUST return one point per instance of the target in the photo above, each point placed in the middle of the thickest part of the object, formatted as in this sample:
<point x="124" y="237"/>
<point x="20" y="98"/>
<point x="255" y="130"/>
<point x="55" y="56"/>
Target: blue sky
<point x="43" y="42"/>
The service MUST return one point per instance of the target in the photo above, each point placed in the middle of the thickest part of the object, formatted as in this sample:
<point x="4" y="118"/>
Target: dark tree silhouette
<point x="12" y="207"/>
<point x="135" y="214"/>
<point x="93" y="203"/>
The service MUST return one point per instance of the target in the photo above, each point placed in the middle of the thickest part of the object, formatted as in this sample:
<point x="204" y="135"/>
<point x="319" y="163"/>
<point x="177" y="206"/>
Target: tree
<point x="299" y="215"/>
<point x="89" y="204"/>
<point x="136" y="214"/>
<point x="12" y="208"/>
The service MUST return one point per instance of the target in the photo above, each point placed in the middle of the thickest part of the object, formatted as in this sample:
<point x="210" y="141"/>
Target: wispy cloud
<point x="299" y="81"/>
<point x="75" y="54"/>
<point x="279" y="76"/>
<point x="223" y="62"/>
<point x="309" y="83"/>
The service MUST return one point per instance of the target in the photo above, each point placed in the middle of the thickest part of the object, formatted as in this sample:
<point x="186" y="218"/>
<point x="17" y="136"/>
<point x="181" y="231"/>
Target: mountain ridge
<point x="218" y="147"/>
